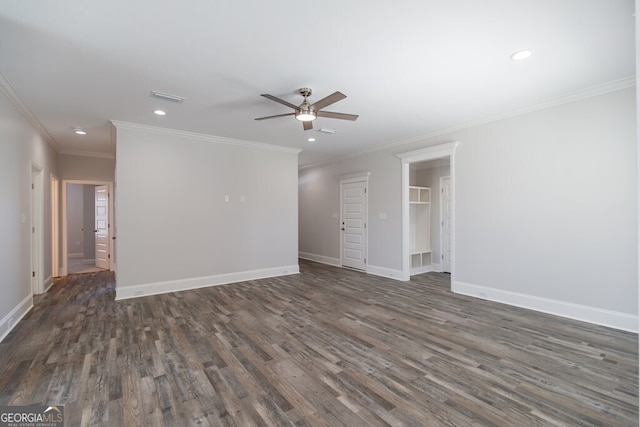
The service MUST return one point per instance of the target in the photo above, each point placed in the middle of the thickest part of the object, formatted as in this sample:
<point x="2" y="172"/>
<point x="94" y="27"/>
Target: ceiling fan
<point x="307" y="112"/>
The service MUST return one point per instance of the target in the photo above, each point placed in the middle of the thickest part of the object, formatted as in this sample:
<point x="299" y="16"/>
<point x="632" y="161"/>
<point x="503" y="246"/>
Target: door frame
<point x="348" y="179"/>
<point x="429" y="153"/>
<point x="55" y="225"/>
<point x="442" y="210"/>
<point x="65" y="247"/>
<point x="37" y="229"/>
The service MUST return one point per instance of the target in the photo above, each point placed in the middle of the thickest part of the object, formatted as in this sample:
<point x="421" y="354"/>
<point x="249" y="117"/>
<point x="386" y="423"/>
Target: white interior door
<point x="445" y="223"/>
<point x="102" y="226"/>
<point x="353" y="224"/>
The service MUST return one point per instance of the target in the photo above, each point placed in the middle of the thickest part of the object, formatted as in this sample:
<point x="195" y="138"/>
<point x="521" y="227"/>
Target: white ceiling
<point x="408" y="68"/>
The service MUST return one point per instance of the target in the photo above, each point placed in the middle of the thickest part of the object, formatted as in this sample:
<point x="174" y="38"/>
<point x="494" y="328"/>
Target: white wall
<point x="175" y="229"/>
<point x="545" y="205"/>
<point x="549" y="199"/>
<point x="20" y="145"/>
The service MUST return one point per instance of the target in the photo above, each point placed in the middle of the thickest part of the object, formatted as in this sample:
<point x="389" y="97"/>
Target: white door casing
<point x="353" y="223"/>
<point x="55" y="231"/>
<point x="446" y="201"/>
<point x="37" y="235"/>
<point x="102" y="226"/>
<point x="429" y="153"/>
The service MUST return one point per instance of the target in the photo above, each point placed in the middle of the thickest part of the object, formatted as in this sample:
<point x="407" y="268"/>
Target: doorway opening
<point x="87" y="236"/>
<point x="423" y="220"/>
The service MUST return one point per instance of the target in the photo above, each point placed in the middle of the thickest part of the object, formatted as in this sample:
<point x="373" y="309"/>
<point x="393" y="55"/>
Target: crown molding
<point x="578" y="95"/>
<point x="19" y="103"/>
<point x="86" y="154"/>
<point x="202" y="137"/>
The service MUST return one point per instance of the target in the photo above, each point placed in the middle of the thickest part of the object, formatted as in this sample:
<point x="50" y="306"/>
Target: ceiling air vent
<point x="167" y="96"/>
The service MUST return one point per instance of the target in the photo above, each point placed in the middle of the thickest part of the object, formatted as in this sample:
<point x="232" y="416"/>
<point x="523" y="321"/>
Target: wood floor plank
<point x="327" y="347"/>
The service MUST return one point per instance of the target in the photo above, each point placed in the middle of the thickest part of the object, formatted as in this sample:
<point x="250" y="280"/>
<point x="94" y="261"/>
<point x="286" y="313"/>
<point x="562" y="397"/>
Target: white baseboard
<point x="89" y="261"/>
<point x="146" y="289"/>
<point x="598" y="316"/>
<point x="9" y="321"/>
<point x="423" y="269"/>
<point x="371" y="269"/>
<point x="385" y="272"/>
<point x="320" y="258"/>
<point x="47" y="284"/>
<point x="75" y="255"/>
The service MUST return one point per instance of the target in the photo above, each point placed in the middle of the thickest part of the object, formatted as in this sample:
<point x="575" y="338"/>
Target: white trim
<point x="354" y="177"/>
<point x="436" y="267"/>
<point x="422" y="269"/>
<point x="598" y="316"/>
<point x="36" y="239"/>
<point x="202" y="137"/>
<point x="54" y="190"/>
<point x="441" y="222"/>
<point x="47" y="284"/>
<point x="89" y="261"/>
<point x="424" y="154"/>
<point x="146" y="289"/>
<point x="335" y="262"/>
<point x="320" y="258"/>
<point x="75" y="255"/>
<point x="578" y="95"/>
<point x="21" y="106"/>
<point x="65" y="244"/>
<point x="9" y="321"/>
<point x="81" y="153"/>
<point x="384" y="272"/>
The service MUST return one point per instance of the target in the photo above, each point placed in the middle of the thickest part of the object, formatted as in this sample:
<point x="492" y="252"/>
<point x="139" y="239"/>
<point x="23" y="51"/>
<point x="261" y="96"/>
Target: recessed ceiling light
<point x="311" y="139"/>
<point x="521" y="54"/>
<point x="159" y="113"/>
<point x="80" y="131"/>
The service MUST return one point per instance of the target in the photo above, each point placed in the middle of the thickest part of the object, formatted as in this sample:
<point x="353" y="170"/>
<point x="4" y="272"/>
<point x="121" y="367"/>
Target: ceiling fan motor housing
<point x="305" y="91"/>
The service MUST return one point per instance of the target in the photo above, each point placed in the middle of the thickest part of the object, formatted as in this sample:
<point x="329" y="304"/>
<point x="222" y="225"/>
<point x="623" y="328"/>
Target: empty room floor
<point x="326" y="347"/>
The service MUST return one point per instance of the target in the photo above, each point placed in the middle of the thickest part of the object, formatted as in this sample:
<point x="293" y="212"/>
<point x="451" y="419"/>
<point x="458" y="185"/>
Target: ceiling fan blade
<point x="278" y="100"/>
<point x="307" y="125"/>
<point x="341" y="116"/>
<point x="273" y="117"/>
<point x="326" y="101"/>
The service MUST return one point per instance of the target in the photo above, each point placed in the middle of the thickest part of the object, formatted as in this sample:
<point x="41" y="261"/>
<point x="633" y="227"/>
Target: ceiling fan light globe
<point x="306" y="115"/>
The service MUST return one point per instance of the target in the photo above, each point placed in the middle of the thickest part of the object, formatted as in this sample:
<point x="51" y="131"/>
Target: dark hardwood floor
<point x="328" y="347"/>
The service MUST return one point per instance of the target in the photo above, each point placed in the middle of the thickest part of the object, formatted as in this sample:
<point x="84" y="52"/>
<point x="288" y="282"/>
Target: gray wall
<point x="89" y="215"/>
<point x="545" y="206"/>
<point x="83" y="168"/>
<point x="20" y="145"/>
<point x="75" y="220"/>
<point x="174" y="224"/>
